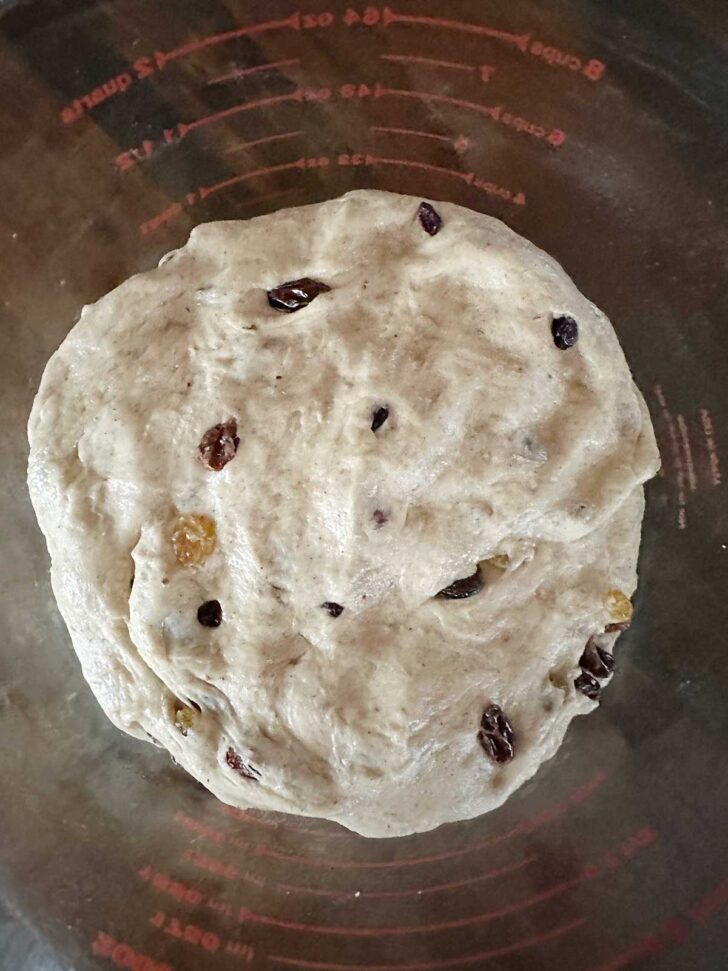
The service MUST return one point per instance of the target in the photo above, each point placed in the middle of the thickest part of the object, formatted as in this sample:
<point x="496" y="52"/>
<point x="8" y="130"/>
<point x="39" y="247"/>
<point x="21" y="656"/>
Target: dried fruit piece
<point x="496" y="734"/>
<point x="219" y="444"/>
<point x="243" y="768"/>
<point x="336" y="610"/>
<point x="565" y="331"/>
<point x="622" y="625"/>
<point x="588" y="685"/>
<point x="620" y="607"/>
<point x="209" y="613"/>
<point x="500" y="561"/>
<point x="295" y="294"/>
<point x="379" y="416"/>
<point x="595" y="660"/>
<point x="379" y="517"/>
<point x="466" y="587"/>
<point x="194" y="539"/>
<point x="430" y="218"/>
<point x="184" y="720"/>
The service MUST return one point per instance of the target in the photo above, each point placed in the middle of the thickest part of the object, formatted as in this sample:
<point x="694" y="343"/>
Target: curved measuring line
<point x="493" y="111"/>
<point x="249" y="917"/>
<point x="383" y="894"/>
<point x="414" y="164"/>
<point x="429" y="61"/>
<point x="294" y="22"/>
<point x="519" y="40"/>
<point x="435" y="965"/>
<point x="580" y="795"/>
<point x="244" y="72"/>
<point x="380" y="130"/>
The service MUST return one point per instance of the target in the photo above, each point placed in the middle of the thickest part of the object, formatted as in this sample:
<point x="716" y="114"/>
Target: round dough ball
<point x="251" y="512"/>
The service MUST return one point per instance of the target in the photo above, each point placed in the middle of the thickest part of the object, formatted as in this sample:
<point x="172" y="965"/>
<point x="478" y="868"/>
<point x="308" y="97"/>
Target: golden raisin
<point x="194" y="539"/>
<point x="620" y="606"/>
<point x="500" y="561"/>
<point x="184" y="720"/>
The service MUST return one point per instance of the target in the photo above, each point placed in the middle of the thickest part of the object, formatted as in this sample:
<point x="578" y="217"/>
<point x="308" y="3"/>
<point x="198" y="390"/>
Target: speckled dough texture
<point x="497" y="444"/>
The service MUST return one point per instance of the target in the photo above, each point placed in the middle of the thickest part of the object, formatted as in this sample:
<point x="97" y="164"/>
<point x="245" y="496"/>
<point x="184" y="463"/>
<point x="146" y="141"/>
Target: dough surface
<point x="496" y="444"/>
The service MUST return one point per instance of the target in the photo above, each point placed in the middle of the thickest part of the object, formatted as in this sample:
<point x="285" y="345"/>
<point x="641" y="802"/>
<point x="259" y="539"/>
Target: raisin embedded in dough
<point x="218" y="445"/>
<point x="379" y="416"/>
<point x="336" y="610"/>
<point x="209" y="614"/>
<point x="496" y="734"/>
<point x="596" y="660"/>
<point x="565" y="331"/>
<point x="239" y="765"/>
<point x="430" y="218"/>
<point x="462" y="589"/>
<point x="292" y="296"/>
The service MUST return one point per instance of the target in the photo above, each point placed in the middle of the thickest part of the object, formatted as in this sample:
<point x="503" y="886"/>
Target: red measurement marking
<point x="208" y="190"/>
<point x="212" y="864"/>
<point x="710" y="904"/>
<point x="220" y="906"/>
<point x="249" y="817"/>
<point x="490" y="111"/>
<point x="593" y="69"/>
<point x="200" y="829"/>
<point x="486" y="70"/>
<point x="244" y="72"/>
<point x="189" y="933"/>
<point x="244" y="951"/>
<point x="262" y="141"/>
<point x="124" y="955"/>
<point x="501" y="192"/>
<point x="495" y="112"/>
<point x="520" y="40"/>
<point x="294" y="22"/>
<point x="247" y="916"/>
<point x="146" y="66"/>
<point x="165" y="216"/>
<point x="490" y="188"/>
<point x="677" y="467"/>
<point x="546" y="816"/>
<point x="436" y="965"/>
<point x="296" y="95"/>
<point x="376" y="894"/>
<point x="706" y="421"/>
<point x="134" y="156"/>
<point x="430" y="61"/>
<point x="412" y="164"/>
<point x="166" y="884"/>
<point x="460" y="143"/>
<point x="85" y="102"/>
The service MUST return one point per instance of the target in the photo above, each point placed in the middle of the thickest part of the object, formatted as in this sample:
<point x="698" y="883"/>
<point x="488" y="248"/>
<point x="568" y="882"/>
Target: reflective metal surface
<point x="598" y="131"/>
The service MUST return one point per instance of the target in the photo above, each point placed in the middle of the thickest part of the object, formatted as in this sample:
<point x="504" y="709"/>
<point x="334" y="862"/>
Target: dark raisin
<point x="244" y="769"/>
<point x="295" y="294"/>
<point x="430" y="218"/>
<point x="336" y="610"/>
<point x="588" y="685"/>
<point x="496" y="734"/>
<point x="595" y="660"/>
<point x="466" y="587"/>
<point x="379" y="416"/>
<point x="617" y="626"/>
<point x="219" y="445"/>
<point x="565" y="331"/>
<point x="379" y="517"/>
<point x="209" y="613"/>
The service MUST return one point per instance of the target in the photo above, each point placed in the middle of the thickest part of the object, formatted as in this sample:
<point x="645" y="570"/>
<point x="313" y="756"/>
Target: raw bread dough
<point x="496" y="442"/>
